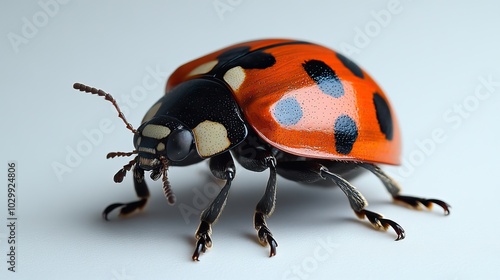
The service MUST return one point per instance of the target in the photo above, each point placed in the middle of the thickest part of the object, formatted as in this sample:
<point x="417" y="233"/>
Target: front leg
<point x="222" y="167"/>
<point x="140" y="188"/>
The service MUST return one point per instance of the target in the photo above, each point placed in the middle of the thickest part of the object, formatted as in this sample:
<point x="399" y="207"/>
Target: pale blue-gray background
<point x="432" y="58"/>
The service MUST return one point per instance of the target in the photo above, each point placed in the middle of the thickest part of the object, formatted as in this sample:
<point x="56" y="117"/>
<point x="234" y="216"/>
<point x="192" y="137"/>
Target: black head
<point x="197" y="119"/>
<point x="163" y="138"/>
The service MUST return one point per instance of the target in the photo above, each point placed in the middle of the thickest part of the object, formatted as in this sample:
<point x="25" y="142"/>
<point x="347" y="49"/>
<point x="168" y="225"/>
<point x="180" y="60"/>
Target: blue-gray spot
<point x="288" y="111"/>
<point x="346" y="133"/>
<point x="324" y="76"/>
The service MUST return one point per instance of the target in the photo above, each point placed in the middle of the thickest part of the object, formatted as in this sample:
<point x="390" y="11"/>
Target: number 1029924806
<point x="11" y="189"/>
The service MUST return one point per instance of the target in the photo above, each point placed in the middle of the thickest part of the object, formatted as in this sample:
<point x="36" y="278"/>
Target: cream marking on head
<point x="160" y="147"/>
<point x="211" y="138"/>
<point x="155" y="131"/>
<point x="147" y="150"/>
<point x="235" y="77"/>
<point x="204" y="68"/>
<point x="148" y="161"/>
<point x="151" y="113"/>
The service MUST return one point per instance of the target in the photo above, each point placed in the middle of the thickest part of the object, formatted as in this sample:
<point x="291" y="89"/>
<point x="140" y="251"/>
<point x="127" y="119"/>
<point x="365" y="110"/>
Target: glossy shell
<point x="304" y="99"/>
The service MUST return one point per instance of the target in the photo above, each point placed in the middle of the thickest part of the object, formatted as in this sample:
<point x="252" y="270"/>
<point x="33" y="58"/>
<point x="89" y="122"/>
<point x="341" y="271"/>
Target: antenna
<point x="108" y="97"/>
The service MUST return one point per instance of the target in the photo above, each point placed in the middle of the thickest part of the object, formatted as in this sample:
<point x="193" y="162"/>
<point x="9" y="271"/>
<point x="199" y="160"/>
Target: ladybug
<point x="295" y="108"/>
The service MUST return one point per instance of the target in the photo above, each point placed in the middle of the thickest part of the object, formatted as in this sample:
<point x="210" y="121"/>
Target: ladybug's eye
<point x="179" y="144"/>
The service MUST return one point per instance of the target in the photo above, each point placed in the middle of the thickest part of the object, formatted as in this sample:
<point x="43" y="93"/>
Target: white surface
<point x="429" y="57"/>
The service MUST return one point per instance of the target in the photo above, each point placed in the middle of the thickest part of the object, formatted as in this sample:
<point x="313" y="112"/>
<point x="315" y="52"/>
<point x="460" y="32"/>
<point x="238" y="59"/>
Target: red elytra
<point x="261" y="90"/>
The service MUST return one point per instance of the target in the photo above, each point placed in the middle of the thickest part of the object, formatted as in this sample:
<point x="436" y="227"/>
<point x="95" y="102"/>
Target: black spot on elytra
<point x="248" y="59"/>
<point x="243" y="57"/>
<point x="346" y="133"/>
<point x="256" y="60"/>
<point x="232" y="54"/>
<point x="324" y="77"/>
<point x="384" y="116"/>
<point x="353" y="67"/>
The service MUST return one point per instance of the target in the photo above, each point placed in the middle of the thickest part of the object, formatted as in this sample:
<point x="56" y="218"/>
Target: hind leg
<point x="312" y="171"/>
<point x="394" y="189"/>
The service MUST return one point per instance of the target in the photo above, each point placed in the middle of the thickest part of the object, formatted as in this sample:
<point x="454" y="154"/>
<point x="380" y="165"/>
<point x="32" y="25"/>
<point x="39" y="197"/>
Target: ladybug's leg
<point x="254" y="156"/>
<point x="142" y="192"/>
<point x="311" y="171"/>
<point x="394" y="189"/>
<point x="265" y="208"/>
<point x="222" y="167"/>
